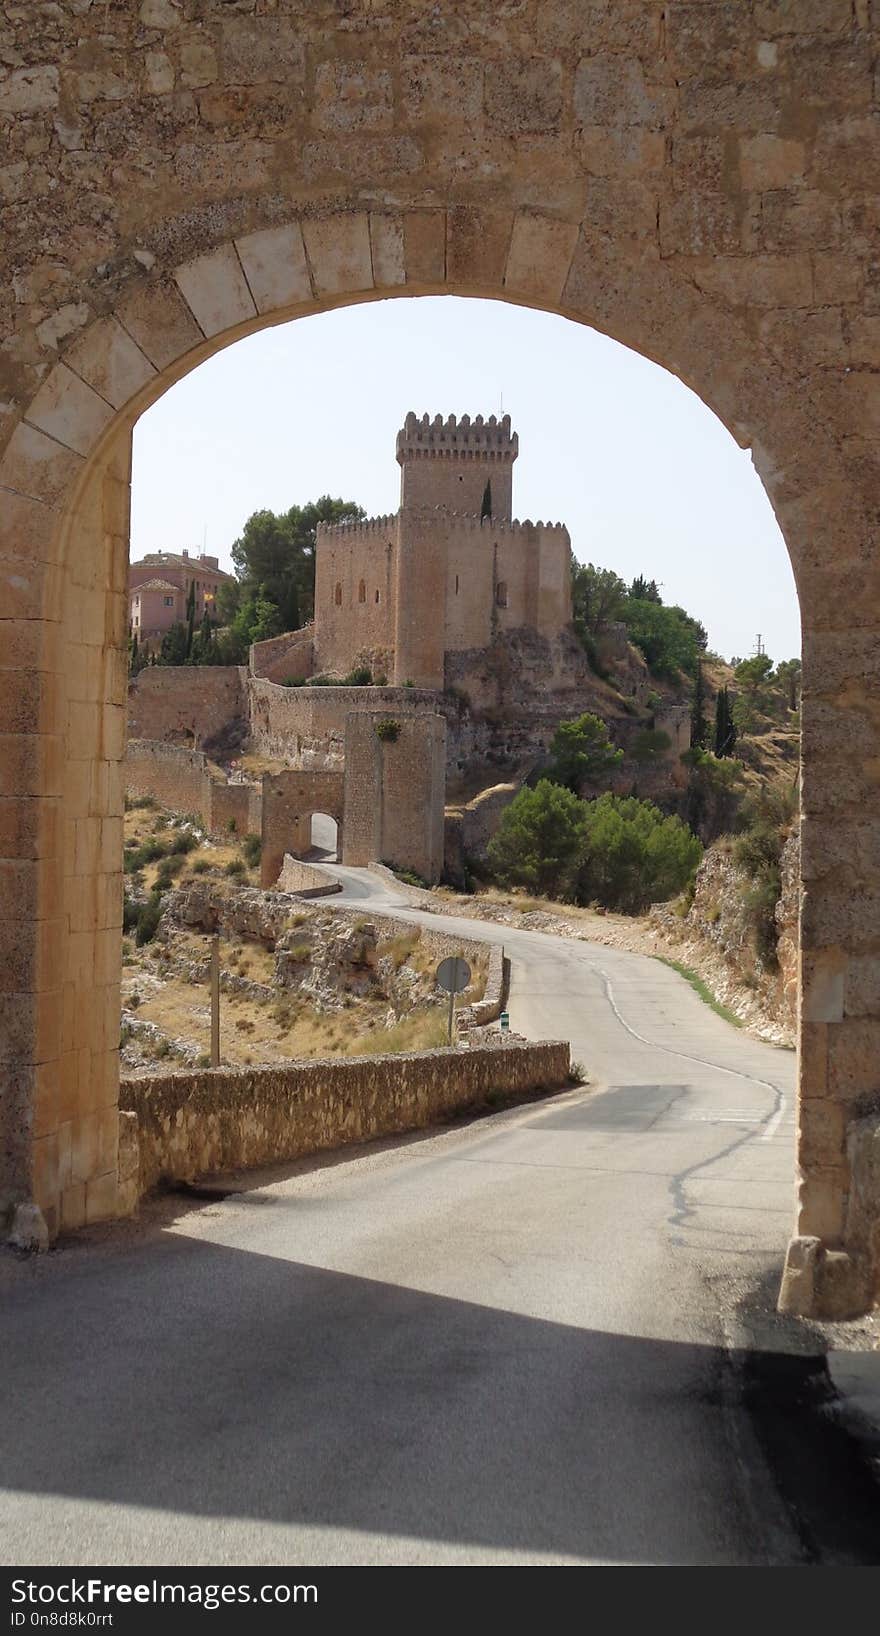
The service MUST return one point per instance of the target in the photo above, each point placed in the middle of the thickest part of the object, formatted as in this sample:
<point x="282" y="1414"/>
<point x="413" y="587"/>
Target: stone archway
<point x="697" y="184"/>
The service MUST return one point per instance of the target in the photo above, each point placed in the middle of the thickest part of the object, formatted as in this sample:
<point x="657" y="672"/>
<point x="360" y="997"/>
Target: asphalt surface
<point x="508" y="1342"/>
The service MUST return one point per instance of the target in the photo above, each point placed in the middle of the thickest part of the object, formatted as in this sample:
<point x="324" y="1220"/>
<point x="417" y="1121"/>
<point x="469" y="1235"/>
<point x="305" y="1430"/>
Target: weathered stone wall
<point x="698" y="181"/>
<point x="236" y="807"/>
<point x="186" y="703"/>
<point x="395" y="788"/>
<point x="306" y="725"/>
<point x="184" y="781"/>
<point x="284" y="658"/>
<point x="175" y="777"/>
<point x="191" y="1124"/>
<point x="290" y="799"/>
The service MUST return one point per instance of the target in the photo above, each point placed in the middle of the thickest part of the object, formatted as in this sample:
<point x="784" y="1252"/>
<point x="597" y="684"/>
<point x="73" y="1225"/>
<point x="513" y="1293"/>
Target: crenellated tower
<point x="447" y="463"/>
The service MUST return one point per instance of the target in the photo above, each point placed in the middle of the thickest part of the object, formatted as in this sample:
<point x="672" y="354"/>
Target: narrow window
<point x="501" y="593"/>
<point x="377" y="596"/>
<point x="456" y="585"/>
<point x="337" y="595"/>
<point x="362" y="592"/>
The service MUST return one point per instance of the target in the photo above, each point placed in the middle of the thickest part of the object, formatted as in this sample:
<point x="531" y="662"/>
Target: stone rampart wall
<point x="187" y="704"/>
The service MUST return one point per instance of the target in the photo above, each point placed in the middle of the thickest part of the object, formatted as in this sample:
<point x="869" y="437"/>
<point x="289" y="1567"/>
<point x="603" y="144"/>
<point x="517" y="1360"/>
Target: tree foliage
<point x="598" y="596"/>
<point x="670" y="639"/>
<point x="582" y="753"/>
<point x="620" y="852"/>
<point x="634" y="855"/>
<point x="274" y="556"/>
<point x="539" y="841"/>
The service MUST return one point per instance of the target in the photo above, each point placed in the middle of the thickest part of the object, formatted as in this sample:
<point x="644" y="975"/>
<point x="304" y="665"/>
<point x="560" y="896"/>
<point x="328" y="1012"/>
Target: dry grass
<point x="253" y="1032"/>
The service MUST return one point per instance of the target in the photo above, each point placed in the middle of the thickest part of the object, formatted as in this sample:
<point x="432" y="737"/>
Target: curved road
<point x="506" y="1342"/>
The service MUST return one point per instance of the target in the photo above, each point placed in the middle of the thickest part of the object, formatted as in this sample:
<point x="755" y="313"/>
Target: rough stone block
<point x="353" y="96"/>
<point x="614" y="91"/>
<point x="540" y="256"/>
<point x="338" y="249"/>
<point x="386" y="245"/>
<point x="216" y="290"/>
<point x="275" y="266"/>
<point x="69" y="410"/>
<point x="159" y="320"/>
<point x="524" y="98"/>
<point x="37" y="466"/>
<point x="109" y="360"/>
<point x="477" y="243"/>
<point x="424" y="237"/>
<point x="442" y="87"/>
<point x="767" y="161"/>
<point x="275" y="50"/>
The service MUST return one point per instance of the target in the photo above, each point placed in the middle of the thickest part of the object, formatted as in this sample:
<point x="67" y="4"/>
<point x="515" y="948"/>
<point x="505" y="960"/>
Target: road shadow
<point x="190" y="1377"/>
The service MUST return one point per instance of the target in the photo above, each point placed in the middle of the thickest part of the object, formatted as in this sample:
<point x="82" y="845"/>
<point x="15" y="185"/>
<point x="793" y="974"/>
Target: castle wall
<point x="283" y="658"/>
<point x="354" y="595"/>
<point x="395" y="793"/>
<point x="289" y="800"/>
<point x="306" y="725"/>
<point x="175" y="777"/>
<point x="447" y="463"/>
<point x="182" y="780"/>
<point x="189" y="703"/>
<point x="420" y="592"/>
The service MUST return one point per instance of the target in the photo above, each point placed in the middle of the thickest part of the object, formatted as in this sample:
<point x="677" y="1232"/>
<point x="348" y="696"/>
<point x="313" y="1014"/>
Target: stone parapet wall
<point x="197" y="1123"/>
<point x="306" y="880"/>
<point x="189" y="704"/>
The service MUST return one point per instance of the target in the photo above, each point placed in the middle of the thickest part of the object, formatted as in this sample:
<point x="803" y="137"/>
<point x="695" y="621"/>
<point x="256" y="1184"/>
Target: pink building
<point x="158" y="588"/>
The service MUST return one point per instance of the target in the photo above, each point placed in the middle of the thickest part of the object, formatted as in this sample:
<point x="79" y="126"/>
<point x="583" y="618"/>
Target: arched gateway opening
<point x="627" y="240"/>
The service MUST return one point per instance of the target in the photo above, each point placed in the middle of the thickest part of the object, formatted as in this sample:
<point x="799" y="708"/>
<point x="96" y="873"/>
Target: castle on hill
<point x="448" y="572"/>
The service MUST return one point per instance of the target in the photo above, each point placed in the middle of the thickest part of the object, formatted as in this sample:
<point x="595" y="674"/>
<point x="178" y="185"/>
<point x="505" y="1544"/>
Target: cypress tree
<point x="725" y="730"/>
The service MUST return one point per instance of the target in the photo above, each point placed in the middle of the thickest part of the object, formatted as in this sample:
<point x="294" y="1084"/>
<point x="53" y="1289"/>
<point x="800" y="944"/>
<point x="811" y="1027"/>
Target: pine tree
<point x="486" y="508"/>
<point x="699" y="725"/>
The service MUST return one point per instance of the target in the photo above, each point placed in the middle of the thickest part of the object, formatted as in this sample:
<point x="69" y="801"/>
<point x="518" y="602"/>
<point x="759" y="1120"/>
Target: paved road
<point x="507" y="1342"/>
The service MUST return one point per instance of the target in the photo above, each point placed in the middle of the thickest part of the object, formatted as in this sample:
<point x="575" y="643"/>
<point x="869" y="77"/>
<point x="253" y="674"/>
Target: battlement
<point x="468" y="520"/>
<point x="359" y="529"/>
<point x="453" y="438"/>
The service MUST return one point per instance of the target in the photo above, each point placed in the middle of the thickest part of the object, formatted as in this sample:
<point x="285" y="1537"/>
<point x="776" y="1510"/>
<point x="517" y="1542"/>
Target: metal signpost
<point x="453" y="975"/>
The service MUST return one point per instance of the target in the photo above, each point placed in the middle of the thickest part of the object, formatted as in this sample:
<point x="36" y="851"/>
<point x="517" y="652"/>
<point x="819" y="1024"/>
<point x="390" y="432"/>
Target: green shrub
<point x="235" y="866"/>
<point x="168" y="868"/>
<point x="148" y="919"/>
<point x="388" y="731"/>
<point x="200" y="866"/>
<point x="361" y="676"/>
<point x="183" y="842"/>
<point x="581" y="752"/>
<point x="252" y="847"/>
<point x="130" y="911"/>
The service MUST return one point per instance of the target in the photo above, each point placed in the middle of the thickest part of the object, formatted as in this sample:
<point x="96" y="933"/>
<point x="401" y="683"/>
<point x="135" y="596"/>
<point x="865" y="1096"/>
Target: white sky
<point x="644" y="475"/>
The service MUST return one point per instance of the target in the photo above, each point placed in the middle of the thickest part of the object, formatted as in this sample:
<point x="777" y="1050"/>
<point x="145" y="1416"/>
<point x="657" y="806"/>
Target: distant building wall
<point x="395" y="793"/>
<point x="189" y="703"/>
<point x="235" y="807"/>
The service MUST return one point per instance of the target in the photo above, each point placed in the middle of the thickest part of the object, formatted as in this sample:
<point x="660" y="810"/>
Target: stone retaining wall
<point x="192" y="1124"/>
